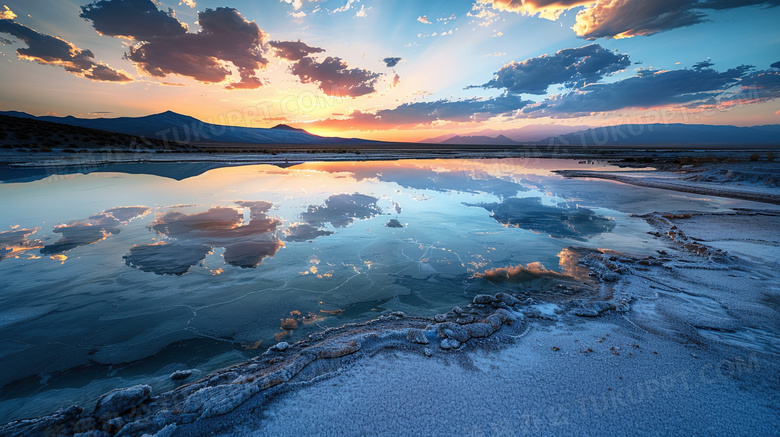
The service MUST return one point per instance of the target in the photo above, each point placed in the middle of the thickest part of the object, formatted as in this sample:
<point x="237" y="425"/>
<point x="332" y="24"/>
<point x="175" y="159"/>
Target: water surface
<point x="126" y="274"/>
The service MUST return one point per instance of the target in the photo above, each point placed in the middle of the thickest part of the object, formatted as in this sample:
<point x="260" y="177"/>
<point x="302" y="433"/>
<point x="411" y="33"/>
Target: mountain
<point x="669" y="135"/>
<point x="481" y="140"/>
<point x="170" y="126"/>
<point x="523" y="135"/>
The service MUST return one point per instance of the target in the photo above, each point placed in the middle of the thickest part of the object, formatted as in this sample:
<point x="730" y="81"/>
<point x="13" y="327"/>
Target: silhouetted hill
<point x="170" y="126"/>
<point x="35" y="135"/>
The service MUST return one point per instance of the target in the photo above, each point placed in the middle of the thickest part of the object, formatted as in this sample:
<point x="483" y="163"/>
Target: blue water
<point x="126" y="274"/>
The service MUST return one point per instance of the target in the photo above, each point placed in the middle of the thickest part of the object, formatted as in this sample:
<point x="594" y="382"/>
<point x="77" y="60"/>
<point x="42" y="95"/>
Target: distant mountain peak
<point x="499" y="140"/>
<point x="283" y="126"/>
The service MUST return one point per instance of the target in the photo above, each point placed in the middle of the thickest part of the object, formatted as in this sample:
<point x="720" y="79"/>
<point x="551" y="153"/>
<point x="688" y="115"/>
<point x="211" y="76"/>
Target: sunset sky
<point x="396" y="70"/>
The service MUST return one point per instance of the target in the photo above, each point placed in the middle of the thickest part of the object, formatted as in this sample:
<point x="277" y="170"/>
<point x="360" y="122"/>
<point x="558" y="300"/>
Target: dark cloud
<point x="165" y="47"/>
<point x="560" y="221"/>
<point x="394" y="223"/>
<point x="293" y="50"/>
<point x="626" y="18"/>
<point x="50" y="50"/>
<point x="96" y="228"/>
<point x="341" y="210"/>
<point x="570" y="67"/>
<point x="166" y="258"/>
<point x="251" y="253"/>
<point x="17" y="241"/>
<point x="702" y="65"/>
<point x="651" y="89"/>
<point x="428" y="112"/>
<point x="391" y="62"/>
<point x="776" y="65"/>
<point x="215" y="225"/>
<point x="765" y="86"/>
<point x="135" y="19"/>
<point x="304" y="232"/>
<point x="334" y="76"/>
<point x="246" y="244"/>
<point x="729" y="4"/>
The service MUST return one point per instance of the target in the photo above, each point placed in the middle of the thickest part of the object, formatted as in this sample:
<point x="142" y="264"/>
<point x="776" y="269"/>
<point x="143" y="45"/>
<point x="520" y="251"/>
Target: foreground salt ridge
<point x="133" y="412"/>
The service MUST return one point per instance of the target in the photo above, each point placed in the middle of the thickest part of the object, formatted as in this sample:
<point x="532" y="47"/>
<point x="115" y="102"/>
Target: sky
<point x="396" y="70"/>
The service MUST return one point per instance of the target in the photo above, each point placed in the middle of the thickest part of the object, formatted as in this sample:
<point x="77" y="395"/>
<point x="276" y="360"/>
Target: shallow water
<point x="126" y="274"/>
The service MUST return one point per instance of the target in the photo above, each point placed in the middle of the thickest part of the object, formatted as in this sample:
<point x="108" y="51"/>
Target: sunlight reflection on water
<point x="208" y="269"/>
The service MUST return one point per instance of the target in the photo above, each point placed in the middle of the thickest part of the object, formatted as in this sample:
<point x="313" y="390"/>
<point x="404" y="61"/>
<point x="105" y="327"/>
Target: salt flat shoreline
<point x="297" y="154"/>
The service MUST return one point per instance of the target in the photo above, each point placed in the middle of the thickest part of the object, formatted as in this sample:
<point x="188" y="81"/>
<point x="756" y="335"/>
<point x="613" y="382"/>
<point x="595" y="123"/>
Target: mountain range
<point x="170" y="126"/>
<point x="633" y="135"/>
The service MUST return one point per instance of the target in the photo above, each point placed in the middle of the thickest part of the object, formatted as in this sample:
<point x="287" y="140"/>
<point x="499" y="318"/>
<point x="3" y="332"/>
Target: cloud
<point x="421" y="113"/>
<point x="561" y="221"/>
<point x="105" y="73"/>
<point x="131" y="19"/>
<point x="625" y="18"/>
<point x="570" y="67"/>
<point x="728" y="4"/>
<point x="776" y="65"/>
<point x="293" y="50"/>
<point x="15" y="242"/>
<point x="424" y="19"/>
<point x="549" y="9"/>
<point x="341" y="210"/>
<point x="392" y="62"/>
<point x="346" y="6"/>
<point x="647" y="90"/>
<point x="296" y="4"/>
<point x="165" y="258"/>
<point x="246" y="244"/>
<point x="50" y="50"/>
<point x="299" y="232"/>
<point x="334" y="76"/>
<point x="766" y="85"/>
<point x="363" y="12"/>
<point x="7" y="14"/>
<point x="96" y="228"/>
<point x="190" y="3"/>
<point x="165" y="47"/>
